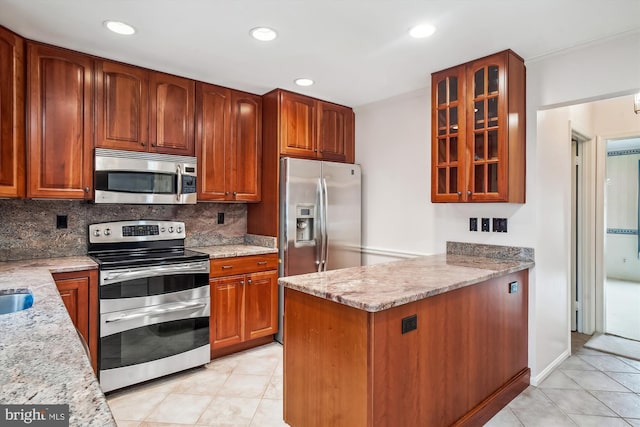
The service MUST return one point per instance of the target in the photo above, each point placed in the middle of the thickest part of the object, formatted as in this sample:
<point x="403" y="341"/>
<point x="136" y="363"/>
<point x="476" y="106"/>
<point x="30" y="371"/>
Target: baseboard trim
<point x="225" y="351"/>
<point x="535" y="381"/>
<point x="486" y="409"/>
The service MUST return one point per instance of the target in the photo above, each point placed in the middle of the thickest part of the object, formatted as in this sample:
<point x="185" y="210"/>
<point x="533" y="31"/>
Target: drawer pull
<point x="226" y="267"/>
<point x="262" y="262"/>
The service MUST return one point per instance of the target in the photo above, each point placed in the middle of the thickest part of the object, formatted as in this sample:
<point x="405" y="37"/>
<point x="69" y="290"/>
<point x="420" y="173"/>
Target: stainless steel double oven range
<point x="153" y="298"/>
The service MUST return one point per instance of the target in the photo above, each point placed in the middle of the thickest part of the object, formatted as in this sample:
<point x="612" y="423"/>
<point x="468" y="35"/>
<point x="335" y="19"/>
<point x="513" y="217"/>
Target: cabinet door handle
<point x="153" y="144"/>
<point x="86" y="189"/>
<point x="469" y="193"/>
<point x="235" y="193"/>
<point x="226" y="267"/>
<point x="144" y="144"/>
<point x="249" y="281"/>
<point x="262" y="262"/>
<point x="226" y="193"/>
<point x="242" y="282"/>
<point x="459" y="193"/>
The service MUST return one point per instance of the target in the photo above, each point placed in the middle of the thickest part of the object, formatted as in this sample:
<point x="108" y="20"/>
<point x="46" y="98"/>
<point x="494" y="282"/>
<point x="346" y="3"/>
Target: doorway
<point x="621" y="269"/>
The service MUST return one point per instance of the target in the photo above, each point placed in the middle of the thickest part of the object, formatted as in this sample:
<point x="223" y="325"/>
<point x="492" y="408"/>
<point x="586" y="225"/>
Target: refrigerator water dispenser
<point x="304" y="224"/>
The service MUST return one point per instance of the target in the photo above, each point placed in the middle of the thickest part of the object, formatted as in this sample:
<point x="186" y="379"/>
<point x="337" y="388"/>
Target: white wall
<point x="392" y="144"/>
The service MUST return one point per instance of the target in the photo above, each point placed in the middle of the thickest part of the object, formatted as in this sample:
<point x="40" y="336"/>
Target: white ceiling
<point x="357" y="51"/>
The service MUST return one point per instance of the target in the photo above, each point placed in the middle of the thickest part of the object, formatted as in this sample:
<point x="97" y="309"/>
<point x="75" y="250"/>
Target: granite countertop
<point x="381" y="286"/>
<point x="42" y="360"/>
<point x="228" y="251"/>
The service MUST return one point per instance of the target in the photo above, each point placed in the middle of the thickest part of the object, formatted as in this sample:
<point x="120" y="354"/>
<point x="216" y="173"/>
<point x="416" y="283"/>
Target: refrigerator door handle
<point x="320" y="228"/>
<point x="325" y="221"/>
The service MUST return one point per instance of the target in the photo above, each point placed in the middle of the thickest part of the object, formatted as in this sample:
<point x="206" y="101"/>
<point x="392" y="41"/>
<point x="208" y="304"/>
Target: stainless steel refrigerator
<point x="320" y="211"/>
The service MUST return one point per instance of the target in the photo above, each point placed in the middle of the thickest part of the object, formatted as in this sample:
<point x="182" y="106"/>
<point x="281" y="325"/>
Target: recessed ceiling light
<point x="421" y="31"/>
<point x="303" y="82"/>
<point x="264" y="34"/>
<point x="120" y="27"/>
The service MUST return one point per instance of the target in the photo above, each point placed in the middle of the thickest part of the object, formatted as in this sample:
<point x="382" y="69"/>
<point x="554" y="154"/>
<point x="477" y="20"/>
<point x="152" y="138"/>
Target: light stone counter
<point x="382" y="286"/>
<point x="42" y="360"/>
<point x="228" y="251"/>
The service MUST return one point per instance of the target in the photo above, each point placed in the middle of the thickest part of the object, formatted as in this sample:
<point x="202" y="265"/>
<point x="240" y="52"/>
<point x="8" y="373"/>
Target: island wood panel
<point x="466" y="359"/>
<point x="326" y="380"/>
<point x="12" y="118"/>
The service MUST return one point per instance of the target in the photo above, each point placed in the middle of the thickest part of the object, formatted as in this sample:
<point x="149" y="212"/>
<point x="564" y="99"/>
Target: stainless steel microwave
<point x="132" y="177"/>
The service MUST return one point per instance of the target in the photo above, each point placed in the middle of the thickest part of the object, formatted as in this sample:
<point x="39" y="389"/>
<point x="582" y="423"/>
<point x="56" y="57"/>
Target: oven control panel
<point x="136" y="231"/>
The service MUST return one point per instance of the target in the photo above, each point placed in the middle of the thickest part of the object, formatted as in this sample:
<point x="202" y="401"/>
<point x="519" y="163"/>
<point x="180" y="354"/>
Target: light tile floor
<point x="244" y="389"/>
<point x="590" y="389"/>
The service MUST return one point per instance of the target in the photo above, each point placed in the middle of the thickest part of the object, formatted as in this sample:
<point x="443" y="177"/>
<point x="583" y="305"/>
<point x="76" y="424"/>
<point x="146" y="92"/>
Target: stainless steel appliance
<point x="153" y="299"/>
<point x="320" y="211"/>
<point x="149" y="178"/>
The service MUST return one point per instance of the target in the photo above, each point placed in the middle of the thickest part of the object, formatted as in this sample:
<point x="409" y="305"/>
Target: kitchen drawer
<point x="243" y="264"/>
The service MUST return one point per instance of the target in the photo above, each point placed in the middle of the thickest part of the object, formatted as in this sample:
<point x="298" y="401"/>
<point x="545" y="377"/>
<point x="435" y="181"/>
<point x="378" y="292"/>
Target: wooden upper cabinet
<point x="60" y="117"/>
<point x="297" y="125"/>
<point x="315" y="129"/>
<point x="448" y="148"/>
<point x="12" y="120"/>
<point x="143" y="110"/>
<point x="229" y="144"/>
<point x="122" y="106"/>
<point x="213" y="111"/>
<point x="335" y="132"/>
<point x="246" y="146"/>
<point x="478" y="131"/>
<point x="172" y="102"/>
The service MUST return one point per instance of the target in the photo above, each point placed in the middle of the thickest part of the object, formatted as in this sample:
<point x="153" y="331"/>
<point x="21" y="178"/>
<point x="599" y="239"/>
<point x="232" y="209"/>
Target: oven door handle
<point x="112" y="276"/>
<point x="157" y="312"/>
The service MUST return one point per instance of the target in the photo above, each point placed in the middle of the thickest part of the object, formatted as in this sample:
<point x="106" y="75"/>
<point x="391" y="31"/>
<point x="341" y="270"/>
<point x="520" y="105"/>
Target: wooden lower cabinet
<point x="244" y="304"/>
<point x="464" y="361"/>
<point x="79" y="292"/>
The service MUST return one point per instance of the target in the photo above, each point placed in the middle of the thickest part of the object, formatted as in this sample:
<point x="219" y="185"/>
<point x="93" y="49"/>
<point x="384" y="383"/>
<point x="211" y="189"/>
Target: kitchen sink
<point x="12" y="300"/>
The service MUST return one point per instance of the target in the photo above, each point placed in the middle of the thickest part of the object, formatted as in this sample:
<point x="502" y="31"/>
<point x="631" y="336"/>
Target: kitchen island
<point x="430" y="341"/>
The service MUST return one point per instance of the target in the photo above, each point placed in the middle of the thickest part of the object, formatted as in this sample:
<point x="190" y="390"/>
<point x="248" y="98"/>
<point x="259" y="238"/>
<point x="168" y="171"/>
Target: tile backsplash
<point x="28" y="229"/>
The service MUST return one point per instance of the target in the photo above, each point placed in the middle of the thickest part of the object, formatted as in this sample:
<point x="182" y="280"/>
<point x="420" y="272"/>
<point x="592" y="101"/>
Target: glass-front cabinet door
<point x="486" y="95"/>
<point x="448" y="115"/>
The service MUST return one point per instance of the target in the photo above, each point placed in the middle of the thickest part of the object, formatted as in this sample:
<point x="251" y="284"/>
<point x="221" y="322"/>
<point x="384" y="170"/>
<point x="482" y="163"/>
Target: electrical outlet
<point x="220" y="217"/>
<point x="473" y="224"/>
<point x="409" y="323"/>
<point x="500" y="225"/>
<point x="61" y="221"/>
<point x="513" y="287"/>
<point x="485" y="224"/>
